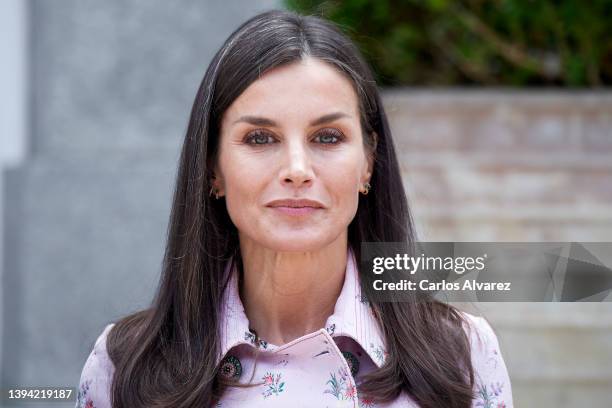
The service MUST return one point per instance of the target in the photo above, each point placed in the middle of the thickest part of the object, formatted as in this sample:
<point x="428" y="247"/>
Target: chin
<point x="296" y="242"/>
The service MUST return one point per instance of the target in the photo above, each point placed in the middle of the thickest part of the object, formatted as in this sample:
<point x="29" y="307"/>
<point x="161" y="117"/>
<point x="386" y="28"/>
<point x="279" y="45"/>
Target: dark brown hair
<point x="167" y="354"/>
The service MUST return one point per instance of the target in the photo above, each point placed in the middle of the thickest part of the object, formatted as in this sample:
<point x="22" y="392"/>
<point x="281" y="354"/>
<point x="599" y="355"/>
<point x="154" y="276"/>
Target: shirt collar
<point x="353" y="316"/>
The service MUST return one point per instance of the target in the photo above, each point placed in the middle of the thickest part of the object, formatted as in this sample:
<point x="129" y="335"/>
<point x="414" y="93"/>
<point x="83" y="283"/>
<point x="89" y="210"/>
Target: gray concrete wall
<point x="13" y="109"/>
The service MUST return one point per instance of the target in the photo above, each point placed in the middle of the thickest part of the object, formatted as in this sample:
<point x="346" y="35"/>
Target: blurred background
<point x="501" y="113"/>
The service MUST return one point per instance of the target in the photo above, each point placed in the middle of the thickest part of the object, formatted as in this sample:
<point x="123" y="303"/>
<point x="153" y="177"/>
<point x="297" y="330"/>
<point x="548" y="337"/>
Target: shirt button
<point x="352" y="361"/>
<point x="231" y="368"/>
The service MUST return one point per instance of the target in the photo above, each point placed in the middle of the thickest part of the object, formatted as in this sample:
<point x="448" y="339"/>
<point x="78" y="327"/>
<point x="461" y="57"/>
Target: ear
<point x="217" y="180"/>
<point x="371" y="156"/>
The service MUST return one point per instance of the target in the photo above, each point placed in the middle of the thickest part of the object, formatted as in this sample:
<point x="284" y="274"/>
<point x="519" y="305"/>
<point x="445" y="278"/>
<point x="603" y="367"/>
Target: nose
<point x="297" y="166"/>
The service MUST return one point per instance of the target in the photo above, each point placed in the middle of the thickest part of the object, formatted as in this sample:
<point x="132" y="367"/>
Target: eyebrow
<point x="261" y="121"/>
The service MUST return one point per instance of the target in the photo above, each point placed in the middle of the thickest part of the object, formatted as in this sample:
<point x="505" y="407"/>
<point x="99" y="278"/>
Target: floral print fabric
<point x="96" y="376"/>
<point x="320" y="369"/>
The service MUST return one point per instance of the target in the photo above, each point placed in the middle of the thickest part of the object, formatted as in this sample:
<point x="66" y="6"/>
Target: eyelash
<point x="327" y="132"/>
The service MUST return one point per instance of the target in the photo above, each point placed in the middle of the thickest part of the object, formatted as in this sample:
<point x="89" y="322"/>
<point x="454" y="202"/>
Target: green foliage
<point x="491" y="42"/>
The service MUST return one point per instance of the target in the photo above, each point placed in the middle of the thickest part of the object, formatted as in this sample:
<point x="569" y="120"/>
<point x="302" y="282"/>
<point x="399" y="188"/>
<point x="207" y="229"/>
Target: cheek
<point x="244" y="182"/>
<point x="341" y="180"/>
<point x="347" y="167"/>
<point x="243" y="171"/>
<point x="242" y="197"/>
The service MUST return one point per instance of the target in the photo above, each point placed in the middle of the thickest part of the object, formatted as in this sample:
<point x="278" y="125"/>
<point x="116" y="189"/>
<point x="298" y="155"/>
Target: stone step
<point x="559" y="343"/>
<point x="537" y="394"/>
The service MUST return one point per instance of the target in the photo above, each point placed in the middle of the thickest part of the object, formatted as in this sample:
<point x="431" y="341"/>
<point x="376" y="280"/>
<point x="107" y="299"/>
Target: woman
<point x="287" y="166"/>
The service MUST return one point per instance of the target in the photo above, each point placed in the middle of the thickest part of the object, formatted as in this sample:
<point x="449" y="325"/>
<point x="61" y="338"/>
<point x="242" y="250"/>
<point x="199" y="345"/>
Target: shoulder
<point x="479" y="332"/>
<point x="492" y="381"/>
<point x="96" y="376"/>
<point x="484" y="343"/>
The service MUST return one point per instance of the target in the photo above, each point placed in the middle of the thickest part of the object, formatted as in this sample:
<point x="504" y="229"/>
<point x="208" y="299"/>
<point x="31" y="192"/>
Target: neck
<point x="289" y="294"/>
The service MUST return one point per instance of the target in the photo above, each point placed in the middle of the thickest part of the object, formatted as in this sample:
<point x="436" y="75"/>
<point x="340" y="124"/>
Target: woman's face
<point x="293" y="134"/>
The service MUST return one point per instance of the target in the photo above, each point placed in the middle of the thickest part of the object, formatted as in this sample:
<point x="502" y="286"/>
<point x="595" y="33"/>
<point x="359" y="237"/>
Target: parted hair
<point x="167" y="354"/>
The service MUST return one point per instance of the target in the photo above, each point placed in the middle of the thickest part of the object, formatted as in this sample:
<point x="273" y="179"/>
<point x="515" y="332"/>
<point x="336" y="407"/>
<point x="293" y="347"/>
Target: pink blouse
<point x="317" y="369"/>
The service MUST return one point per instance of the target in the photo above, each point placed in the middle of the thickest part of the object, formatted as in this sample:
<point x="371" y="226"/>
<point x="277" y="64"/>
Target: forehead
<point x="303" y="89"/>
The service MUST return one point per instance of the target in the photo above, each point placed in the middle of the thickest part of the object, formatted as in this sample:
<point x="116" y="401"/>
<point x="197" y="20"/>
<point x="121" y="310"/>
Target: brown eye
<point x="258" y="137"/>
<point x="330" y="136"/>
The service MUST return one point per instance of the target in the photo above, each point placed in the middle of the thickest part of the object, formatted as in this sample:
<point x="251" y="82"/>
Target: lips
<point x="296" y="203"/>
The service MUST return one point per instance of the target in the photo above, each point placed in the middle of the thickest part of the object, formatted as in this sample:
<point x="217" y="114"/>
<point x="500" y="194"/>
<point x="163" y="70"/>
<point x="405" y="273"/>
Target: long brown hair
<point x="167" y="354"/>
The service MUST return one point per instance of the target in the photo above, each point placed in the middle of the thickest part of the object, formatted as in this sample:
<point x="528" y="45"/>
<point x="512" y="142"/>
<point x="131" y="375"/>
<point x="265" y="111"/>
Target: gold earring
<point x="367" y="187"/>
<point x="216" y="192"/>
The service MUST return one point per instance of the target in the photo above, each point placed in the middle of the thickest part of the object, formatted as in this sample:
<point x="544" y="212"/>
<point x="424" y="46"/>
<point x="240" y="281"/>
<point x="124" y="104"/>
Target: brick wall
<point x="506" y="165"/>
